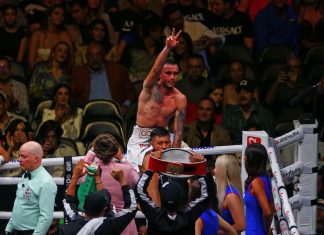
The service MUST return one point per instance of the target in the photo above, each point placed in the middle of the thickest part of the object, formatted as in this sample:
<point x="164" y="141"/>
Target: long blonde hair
<point x="228" y="173"/>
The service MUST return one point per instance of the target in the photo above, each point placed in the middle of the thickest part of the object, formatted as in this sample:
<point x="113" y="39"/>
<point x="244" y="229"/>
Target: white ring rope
<point x="280" y="142"/>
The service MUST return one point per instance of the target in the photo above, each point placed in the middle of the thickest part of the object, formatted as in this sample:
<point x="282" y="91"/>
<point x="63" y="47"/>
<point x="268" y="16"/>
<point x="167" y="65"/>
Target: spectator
<point x="36" y="191"/>
<point x="18" y="132"/>
<point x="229" y="191"/>
<point x="14" y="40"/>
<point x="204" y="132"/>
<point x="311" y="24"/>
<point x="182" y="52"/>
<point x="246" y="111"/>
<point x="47" y="75"/>
<point x="234" y="25"/>
<point x="288" y="84"/>
<point x="237" y="72"/>
<point x="16" y="91"/>
<point x="194" y="12"/>
<point x="49" y="136"/>
<point x="65" y="112"/>
<point x="128" y="22"/>
<point x="140" y="56"/>
<point x="5" y="117"/>
<point x="202" y="37"/>
<point x="98" y="33"/>
<point x="43" y="40"/>
<point x="96" y="10"/>
<point x="97" y="204"/>
<point x="105" y="151"/>
<point x="100" y="79"/>
<point x="276" y="25"/>
<point x="194" y="85"/>
<point x="216" y="93"/>
<point x="258" y="199"/>
<point x="171" y="218"/>
<point x="78" y="29"/>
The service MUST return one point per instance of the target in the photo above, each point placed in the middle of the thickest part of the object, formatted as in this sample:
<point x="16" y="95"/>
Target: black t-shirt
<point x="195" y="14"/>
<point x="128" y="21"/>
<point x="10" y="42"/>
<point x="235" y="29"/>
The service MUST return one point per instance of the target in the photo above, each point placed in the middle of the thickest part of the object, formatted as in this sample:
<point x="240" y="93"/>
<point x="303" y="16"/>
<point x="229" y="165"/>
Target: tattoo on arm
<point x="156" y="94"/>
<point x="179" y="128"/>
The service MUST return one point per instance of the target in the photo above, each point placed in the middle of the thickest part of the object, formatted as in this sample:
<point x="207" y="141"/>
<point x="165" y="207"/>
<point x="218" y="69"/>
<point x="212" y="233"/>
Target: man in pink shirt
<point x="107" y="154"/>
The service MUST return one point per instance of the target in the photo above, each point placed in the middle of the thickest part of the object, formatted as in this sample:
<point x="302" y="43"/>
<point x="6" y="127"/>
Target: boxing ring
<point x="295" y="215"/>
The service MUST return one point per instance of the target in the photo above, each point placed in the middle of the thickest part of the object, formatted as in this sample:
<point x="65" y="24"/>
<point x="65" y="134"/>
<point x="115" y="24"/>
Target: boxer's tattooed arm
<point x="156" y="94"/>
<point x="178" y="127"/>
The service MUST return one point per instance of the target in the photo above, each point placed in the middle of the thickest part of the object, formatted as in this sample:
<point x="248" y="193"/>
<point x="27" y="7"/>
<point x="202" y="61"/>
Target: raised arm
<point x="154" y="74"/>
<point x="180" y="114"/>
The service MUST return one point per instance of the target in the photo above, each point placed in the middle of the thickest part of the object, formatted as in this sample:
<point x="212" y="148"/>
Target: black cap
<point x="95" y="202"/>
<point x="172" y="195"/>
<point x="248" y="85"/>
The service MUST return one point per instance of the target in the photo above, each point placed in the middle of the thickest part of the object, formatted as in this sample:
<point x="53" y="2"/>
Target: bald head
<point x="33" y="148"/>
<point x="95" y="55"/>
<point x="30" y="156"/>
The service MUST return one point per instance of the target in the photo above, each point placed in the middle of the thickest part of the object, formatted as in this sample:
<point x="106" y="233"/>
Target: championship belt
<point x="176" y="163"/>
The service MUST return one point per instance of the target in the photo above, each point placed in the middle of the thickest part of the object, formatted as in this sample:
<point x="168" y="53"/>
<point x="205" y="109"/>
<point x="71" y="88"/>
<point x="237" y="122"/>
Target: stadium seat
<point x="275" y="55"/>
<point x="37" y="116"/>
<point x="101" y="110"/>
<point x="95" y="128"/>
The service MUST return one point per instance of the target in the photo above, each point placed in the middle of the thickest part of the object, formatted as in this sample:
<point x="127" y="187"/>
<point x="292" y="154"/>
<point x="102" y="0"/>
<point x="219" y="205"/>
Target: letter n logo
<point x="253" y="140"/>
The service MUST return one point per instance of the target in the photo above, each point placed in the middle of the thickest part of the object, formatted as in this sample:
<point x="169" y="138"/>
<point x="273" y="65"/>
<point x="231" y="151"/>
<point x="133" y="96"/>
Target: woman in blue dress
<point x="210" y="222"/>
<point x="229" y="191"/>
<point x="258" y="197"/>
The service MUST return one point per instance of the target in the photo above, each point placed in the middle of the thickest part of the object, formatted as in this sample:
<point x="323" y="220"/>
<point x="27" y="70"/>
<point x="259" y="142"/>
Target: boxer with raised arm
<point x="157" y="103"/>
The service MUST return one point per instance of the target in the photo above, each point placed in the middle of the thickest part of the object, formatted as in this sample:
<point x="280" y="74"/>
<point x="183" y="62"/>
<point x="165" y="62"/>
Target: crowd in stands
<point x="70" y="70"/>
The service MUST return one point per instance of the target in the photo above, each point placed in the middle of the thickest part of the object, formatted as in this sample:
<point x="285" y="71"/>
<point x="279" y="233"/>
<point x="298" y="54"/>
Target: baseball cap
<point x="248" y="85"/>
<point x="95" y="202"/>
<point x="172" y="195"/>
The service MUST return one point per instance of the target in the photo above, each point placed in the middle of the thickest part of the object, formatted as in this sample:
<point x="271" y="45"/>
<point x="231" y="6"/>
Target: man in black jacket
<point x="171" y="218"/>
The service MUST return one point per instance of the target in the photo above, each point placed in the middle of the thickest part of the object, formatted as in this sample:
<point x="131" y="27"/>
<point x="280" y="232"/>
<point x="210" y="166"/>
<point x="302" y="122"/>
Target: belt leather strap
<point x="177" y="168"/>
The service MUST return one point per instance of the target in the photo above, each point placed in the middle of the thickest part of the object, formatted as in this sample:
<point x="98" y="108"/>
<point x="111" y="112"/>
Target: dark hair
<point x="105" y="42"/>
<point x="5" y="7"/>
<point x="49" y="125"/>
<point x="82" y="3"/>
<point x="94" y="205"/>
<point x="211" y="189"/>
<point x="231" y="2"/>
<point x="11" y="128"/>
<point x="105" y="146"/>
<point x="213" y="87"/>
<point x="256" y="158"/>
<point x="197" y="56"/>
<point x="150" y="24"/>
<point x="188" y="41"/>
<point x="7" y="59"/>
<point x="73" y="107"/>
<point x="209" y="99"/>
<point x="49" y="11"/>
<point x="168" y="10"/>
<point x="250" y="125"/>
<point x="159" y="131"/>
<point x="242" y="63"/>
<point x="3" y="97"/>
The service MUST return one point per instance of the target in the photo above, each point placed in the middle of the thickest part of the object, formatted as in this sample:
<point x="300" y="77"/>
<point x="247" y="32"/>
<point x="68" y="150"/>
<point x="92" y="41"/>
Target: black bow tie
<point x="27" y="175"/>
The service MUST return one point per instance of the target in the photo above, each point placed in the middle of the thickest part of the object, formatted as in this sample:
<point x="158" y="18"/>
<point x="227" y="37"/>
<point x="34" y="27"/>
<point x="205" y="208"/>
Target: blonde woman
<point x="229" y="191"/>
